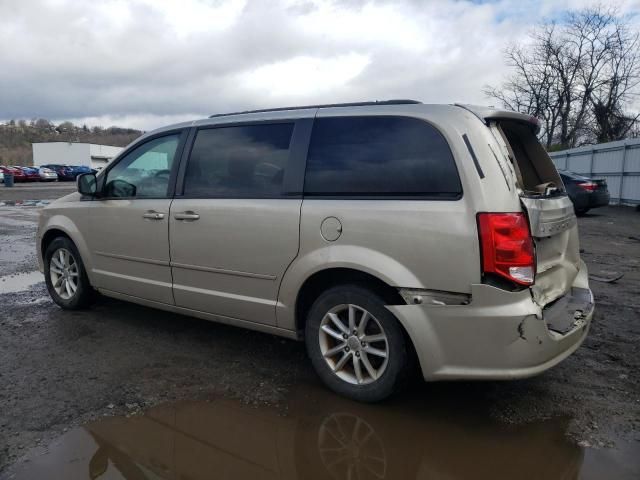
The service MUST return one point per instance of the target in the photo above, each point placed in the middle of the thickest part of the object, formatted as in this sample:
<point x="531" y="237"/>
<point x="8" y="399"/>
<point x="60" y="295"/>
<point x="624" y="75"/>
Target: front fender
<point x="64" y="224"/>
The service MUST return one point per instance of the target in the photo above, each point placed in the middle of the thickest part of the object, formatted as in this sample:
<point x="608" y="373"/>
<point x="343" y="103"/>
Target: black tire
<point x="581" y="212"/>
<point x="397" y="367"/>
<point x="84" y="294"/>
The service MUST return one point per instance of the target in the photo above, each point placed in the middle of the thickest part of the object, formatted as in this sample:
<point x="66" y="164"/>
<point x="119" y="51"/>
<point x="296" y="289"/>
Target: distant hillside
<point x="16" y="137"/>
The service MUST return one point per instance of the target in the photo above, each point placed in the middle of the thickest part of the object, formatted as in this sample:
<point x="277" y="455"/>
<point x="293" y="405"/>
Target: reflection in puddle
<point x="19" y="282"/>
<point x="321" y="437"/>
<point x="25" y="203"/>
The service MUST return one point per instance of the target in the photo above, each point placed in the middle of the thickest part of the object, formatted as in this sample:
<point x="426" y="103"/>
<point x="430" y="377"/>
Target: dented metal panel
<point x="549" y="216"/>
<point x="569" y="311"/>
<point x="554" y="228"/>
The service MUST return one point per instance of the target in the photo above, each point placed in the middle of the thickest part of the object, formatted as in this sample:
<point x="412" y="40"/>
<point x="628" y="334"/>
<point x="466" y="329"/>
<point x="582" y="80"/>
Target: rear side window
<point x="372" y="156"/>
<point x="240" y="161"/>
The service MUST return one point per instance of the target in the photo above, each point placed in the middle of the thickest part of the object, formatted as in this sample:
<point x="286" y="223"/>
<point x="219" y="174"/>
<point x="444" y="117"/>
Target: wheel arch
<point x="322" y="280"/>
<point x="60" y="226"/>
<point x="49" y="236"/>
<point x="366" y="263"/>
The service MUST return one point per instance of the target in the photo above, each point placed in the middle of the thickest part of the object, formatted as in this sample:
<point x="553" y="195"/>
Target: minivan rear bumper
<point x="500" y="335"/>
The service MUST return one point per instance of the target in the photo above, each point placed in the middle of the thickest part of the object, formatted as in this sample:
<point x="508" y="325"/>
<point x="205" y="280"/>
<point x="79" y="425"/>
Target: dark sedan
<point x="79" y="169"/>
<point x="585" y="193"/>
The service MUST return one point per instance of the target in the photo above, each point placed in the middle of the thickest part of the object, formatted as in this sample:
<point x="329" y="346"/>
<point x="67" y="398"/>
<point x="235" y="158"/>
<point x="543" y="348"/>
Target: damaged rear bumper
<point x="500" y="334"/>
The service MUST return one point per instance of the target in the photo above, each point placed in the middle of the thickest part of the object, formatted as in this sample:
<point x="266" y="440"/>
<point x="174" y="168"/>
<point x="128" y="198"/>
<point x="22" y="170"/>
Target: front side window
<point x="239" y="161"/>
<point x="372" y="156"/>
<point x="144" y="172"/>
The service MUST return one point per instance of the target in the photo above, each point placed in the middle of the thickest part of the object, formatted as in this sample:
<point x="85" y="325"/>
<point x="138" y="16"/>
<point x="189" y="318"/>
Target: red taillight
<point x="507" y="246"/>
<point x="588" y="186"/>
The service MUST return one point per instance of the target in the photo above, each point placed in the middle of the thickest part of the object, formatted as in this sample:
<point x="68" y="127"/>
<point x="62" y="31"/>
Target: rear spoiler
<point x="486" y="114"/>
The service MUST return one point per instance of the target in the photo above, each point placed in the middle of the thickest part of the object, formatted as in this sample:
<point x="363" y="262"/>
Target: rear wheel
<point x="355" y="344"/>
<point x="65" y="275"/>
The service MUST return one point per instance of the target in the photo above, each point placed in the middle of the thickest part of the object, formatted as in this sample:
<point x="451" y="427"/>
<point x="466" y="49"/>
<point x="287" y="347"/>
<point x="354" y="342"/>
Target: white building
<point x="72" y="153"/>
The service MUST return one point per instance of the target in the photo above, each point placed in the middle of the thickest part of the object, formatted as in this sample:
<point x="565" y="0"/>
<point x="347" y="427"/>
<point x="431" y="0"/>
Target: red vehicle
<point x="18" y="174"/>
<point x="30" y="174"/>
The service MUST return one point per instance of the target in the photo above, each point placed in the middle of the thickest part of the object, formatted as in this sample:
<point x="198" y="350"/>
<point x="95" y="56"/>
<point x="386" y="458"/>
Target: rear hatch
<point x="550" y="211"/>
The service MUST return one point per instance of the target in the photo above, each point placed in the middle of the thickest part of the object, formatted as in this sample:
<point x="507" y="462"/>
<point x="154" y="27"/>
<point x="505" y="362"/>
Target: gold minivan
<point x="379" y="232"/>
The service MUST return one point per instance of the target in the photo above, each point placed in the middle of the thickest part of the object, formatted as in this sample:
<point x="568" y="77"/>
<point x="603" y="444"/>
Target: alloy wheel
<point x="64" y="273"/>
<point x="353" y="344"/>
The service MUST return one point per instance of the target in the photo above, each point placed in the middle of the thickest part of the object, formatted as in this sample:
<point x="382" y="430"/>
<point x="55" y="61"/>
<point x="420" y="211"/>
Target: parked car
<point x="585" y="193"/>
<point x="64" y="172"/>
<point x="47" y="174"/>
<point x="30" y="174"/>
<point x="1" y="176"/>
<point x="18" y="174"/>
<point x="377" y="232"/>
<point x="80" y="169"/>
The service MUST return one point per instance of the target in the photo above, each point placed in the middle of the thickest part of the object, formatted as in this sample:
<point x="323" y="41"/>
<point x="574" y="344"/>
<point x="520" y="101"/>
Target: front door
<point x="234" y="232"/>
<point x="129" y="222"/>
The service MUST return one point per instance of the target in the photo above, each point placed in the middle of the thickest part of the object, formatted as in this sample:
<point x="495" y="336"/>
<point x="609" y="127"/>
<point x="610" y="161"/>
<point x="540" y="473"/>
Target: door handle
<point x="153" y="215"/>
<point x="188" y="216"/>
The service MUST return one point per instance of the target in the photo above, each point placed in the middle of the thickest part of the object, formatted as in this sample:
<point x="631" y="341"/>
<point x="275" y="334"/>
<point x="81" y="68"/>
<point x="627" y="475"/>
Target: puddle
<point x="320" y="437"/>
<point x="19" y="282"/>
<point x="25" y="203"/>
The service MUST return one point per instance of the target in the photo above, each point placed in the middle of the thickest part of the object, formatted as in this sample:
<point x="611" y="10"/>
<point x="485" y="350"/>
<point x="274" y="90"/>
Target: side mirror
<point x="87" y="184"/>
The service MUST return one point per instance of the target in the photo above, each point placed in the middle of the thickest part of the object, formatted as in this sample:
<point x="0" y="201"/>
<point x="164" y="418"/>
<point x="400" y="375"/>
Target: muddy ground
<point x="62" y="369"/>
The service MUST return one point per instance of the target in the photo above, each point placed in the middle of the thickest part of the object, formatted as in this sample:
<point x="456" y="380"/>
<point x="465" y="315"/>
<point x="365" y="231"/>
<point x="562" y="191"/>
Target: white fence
<point x="617" y="162"/>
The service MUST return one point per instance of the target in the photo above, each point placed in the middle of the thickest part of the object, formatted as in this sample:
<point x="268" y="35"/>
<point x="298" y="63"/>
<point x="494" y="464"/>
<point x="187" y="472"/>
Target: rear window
<point x="574" y="176"/>
<point x="373" y="156"/>
<point x="534" y="169"/>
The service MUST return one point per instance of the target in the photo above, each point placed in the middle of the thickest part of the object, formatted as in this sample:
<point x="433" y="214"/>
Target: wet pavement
<point x="35" y="191"/>
<point x="321" y="436"/>
<point x="17" y="239"/>
<point x="123" y="391"/>
<point x="19" y="282"/>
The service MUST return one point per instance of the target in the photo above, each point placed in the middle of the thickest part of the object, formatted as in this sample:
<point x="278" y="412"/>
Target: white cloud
<point x="144" y="63"/>
<point x="188" y="18"/>
<point x="304" y="76"/>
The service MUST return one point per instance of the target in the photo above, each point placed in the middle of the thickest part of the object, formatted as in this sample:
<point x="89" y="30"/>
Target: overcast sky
<point x="147" y="63"/>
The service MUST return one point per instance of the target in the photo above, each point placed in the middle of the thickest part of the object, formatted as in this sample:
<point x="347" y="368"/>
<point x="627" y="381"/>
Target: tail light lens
<point x="588" y="186"/>
<point x="507" y="246"/>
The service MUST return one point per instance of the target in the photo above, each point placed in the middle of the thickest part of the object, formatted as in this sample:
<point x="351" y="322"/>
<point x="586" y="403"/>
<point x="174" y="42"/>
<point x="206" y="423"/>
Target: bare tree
<point x="65" y="127"/>
<point x="576" y="76"/>
<point x="619" y="87"/>
<point x="42" y="124"/>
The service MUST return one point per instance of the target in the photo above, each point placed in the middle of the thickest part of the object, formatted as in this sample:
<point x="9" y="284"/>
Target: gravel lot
<point x="61" y="369"/>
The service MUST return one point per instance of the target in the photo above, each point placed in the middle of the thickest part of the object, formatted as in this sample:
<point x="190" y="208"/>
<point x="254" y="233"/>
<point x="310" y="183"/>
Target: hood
<point x="72" y="197"/>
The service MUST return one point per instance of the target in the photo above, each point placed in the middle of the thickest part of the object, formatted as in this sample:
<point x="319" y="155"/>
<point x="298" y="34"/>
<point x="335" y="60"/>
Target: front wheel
<point x="355" y="344"/>
<point x="65" y="275"/>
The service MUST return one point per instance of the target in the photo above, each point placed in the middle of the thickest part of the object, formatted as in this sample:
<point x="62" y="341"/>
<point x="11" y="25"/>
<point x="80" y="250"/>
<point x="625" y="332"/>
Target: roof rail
<point x="328" y="105"/>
